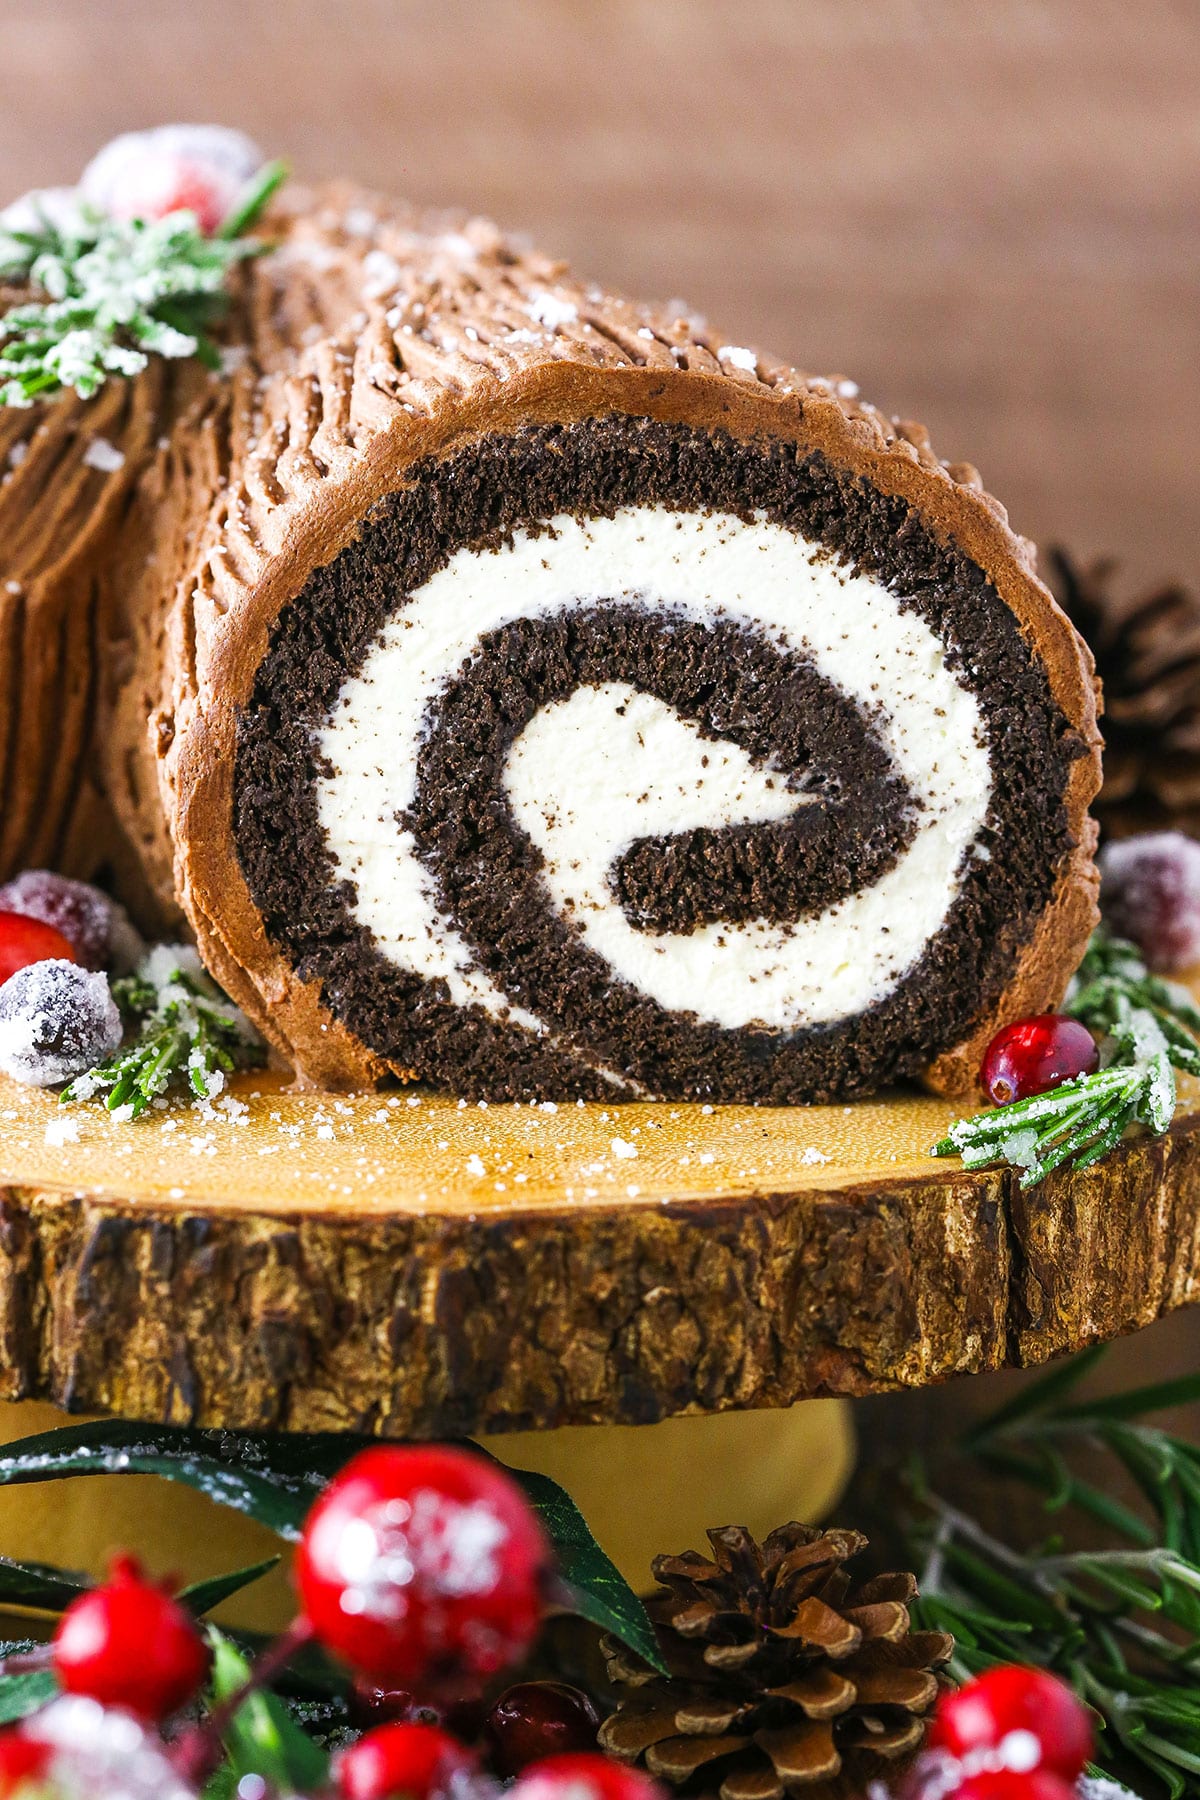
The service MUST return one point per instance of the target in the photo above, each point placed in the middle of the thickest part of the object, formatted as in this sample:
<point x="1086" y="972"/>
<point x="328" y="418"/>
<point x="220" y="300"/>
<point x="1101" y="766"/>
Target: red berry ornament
<point x="592" y="1777"/>
<point x="24" y="940"/>
<point x="537" y="1719"/>
<point x="1006" y="1701"/>
<point x="1034" y="1055"/>
<point x="1150" y="890"/>
<point x="423" y="1568"/>
<point x="129" y="1644"/>
<point x="1011" y="1784"/>
<point x="22" y="1760"/>
<point x="402" y="1762"/>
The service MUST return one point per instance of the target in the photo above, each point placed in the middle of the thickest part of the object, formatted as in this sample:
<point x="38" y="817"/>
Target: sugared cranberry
<point x="402" y="1762"/>
<point x="79" y="911"/>
<point x="23" y="1763"/>
<point x="1034" y="1055"/>
<point x="1006" y="1705"/>
<point x="149" y="174"/>
<point x="56" y="1021"/>
<point x="24" y="940"/>
<point x="1150" y="892"/>
<point x="130" y="1644"/>
<point x="586" y="1777"/>
<point x="423" y="1567"/>
<point x="537" y="1719"/>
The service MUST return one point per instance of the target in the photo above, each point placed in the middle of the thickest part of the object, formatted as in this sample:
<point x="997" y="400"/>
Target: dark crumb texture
<point x="728" y="681"/>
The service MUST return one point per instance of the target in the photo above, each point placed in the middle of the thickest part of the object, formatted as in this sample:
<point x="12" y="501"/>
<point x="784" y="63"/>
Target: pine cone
<point x="1147" y="653"/>
<point x="784" y="1671"/>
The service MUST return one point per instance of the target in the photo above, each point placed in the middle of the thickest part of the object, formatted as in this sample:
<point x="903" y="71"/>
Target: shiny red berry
<point x="1150" y="892"/>
<point x="1004" y="1701"/>
<point x="584" y="1777"/>
<point x="423" y="1567"/>
<point x="1034" y="1055"/>
<point x="401" y="1762"/>
<point x="24" y="940"/>
<point x="22" y="1761"/>
<point x="536" y="1719"/>
<point x="129" y="1644"/>
<point x="1012" y="1784"/>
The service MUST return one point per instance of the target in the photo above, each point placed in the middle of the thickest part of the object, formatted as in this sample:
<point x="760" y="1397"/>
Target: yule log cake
<point x="540" y="693"/>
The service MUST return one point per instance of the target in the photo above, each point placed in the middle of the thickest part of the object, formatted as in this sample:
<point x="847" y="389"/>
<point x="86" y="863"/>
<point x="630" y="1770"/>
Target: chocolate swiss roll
<point x="549" y="697"/>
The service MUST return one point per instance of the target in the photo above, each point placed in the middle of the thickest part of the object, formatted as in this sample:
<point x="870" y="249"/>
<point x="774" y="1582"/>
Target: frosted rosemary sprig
<point x="1148" y="1028"/>
<point x="185" y="1036"/>
<point x="117" y="291"/>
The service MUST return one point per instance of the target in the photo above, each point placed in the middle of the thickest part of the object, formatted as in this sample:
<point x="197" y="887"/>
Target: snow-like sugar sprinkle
<point x="551" y="310"/>
<point x="17" y="454"/>
<point x="738" y="358"/>
<point x="622" y="1149"/>
<point x="62" y="1130"/>
<point x="813" y="1155"/>
<point x="102" y="455"/>
<point x="475" y="1166"/>
<point x="383" y="274"/>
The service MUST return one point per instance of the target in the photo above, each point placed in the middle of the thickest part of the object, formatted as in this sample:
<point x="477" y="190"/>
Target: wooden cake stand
<point x="409" y="1264"/>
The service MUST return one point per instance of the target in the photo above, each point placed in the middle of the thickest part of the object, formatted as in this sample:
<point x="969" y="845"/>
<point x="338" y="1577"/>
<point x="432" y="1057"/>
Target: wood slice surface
<point x="413" y="1264"/>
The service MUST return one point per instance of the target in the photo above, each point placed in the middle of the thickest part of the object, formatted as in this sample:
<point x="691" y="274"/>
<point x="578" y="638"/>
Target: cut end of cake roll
<point x="569" y="704"/>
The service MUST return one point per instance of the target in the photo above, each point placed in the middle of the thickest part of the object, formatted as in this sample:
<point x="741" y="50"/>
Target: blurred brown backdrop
<point x="989" y="215"/>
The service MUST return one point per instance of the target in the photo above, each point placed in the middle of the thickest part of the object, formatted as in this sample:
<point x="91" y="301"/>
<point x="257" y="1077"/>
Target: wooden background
<point x="989" y="215"/>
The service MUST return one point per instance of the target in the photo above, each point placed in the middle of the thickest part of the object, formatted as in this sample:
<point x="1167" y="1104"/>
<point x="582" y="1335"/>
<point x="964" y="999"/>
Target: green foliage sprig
<point x="1148" y="1028"/>
<point x="117" y="291"/>
<point x="1121" y="1621"/>
<point x="184" y="1036"/>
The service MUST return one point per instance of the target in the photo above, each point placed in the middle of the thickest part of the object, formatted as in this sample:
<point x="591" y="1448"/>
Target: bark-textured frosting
<point x="372" y="347"/>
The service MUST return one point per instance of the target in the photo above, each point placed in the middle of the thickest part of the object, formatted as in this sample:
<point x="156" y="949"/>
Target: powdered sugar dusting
<point x="551" y="310"/>
<point x="102" y="455"/>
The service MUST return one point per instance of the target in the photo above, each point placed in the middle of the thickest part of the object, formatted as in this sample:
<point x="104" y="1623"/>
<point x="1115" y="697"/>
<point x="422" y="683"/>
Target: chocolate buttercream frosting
<point x="545" y="695"/>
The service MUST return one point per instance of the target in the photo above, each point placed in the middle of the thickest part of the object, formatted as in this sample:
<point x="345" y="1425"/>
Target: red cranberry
<point x="22" y="1761"/>
<point x="983" y="1714"/>
<point x="536" y="1719"/>
<point x="79" y="911"/>
<point x="423" y="1567"/>
<point x="585" y="1777"/>
<point x="130" y="1644"/>
<point x="24" y="941"/>
<point x="1034" y="1055"/>
<point x="372" y="1705"/>
<point x="417" y="1762"/>
<point x="1150" y="892"/>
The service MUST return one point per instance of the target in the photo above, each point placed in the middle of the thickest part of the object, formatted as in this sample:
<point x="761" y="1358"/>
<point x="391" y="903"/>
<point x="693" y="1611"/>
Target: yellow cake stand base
<point x="642" y="1488"/>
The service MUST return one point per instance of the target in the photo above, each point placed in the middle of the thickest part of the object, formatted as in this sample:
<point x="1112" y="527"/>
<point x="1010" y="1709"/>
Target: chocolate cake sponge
<point x="542" y="695"/>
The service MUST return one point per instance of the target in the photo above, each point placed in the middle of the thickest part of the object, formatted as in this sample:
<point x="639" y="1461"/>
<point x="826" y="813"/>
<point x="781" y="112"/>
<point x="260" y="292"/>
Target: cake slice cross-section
<point x="550" y="699"/>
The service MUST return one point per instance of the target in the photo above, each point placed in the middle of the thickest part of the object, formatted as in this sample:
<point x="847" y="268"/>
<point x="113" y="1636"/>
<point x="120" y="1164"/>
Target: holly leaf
<point x="22" y="1694"/>
<point x="272" y="1480"/>
<point x="262" y="1738"/>
<point x="276" y="1478"/>
<point x="202" y="1596"/>
<point x="39" y="1586"/>
<point x="597" y="1590"/>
